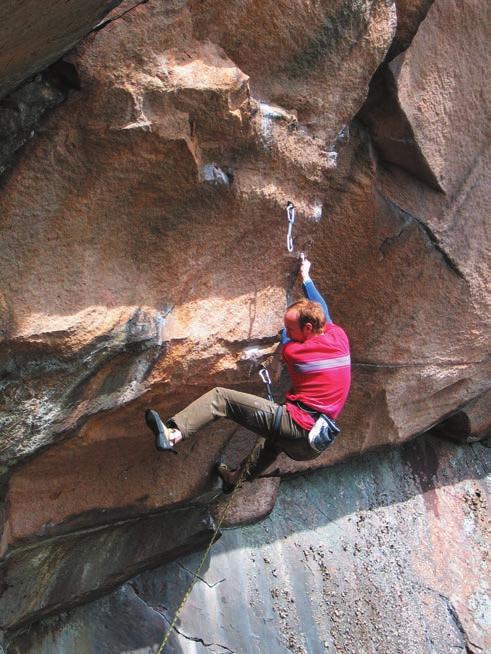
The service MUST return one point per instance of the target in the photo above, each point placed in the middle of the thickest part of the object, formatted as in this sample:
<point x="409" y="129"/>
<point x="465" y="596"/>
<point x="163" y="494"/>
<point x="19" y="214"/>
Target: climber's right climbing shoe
<point x="160" y="431"/>
<point x="229" y="477"/>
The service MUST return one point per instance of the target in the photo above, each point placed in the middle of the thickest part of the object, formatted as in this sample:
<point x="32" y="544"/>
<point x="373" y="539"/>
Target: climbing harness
<point x="266" y="379"/>
<point x="290" y="213"/>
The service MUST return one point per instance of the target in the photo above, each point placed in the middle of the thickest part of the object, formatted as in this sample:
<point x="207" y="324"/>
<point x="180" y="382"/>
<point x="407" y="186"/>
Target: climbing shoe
<point x="229" y="477"/>
<point x="323" y="433"/>
<point x="160" y="430"/>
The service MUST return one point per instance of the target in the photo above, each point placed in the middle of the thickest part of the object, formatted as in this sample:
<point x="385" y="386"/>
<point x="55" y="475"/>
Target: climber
<point x="316" y="352"/>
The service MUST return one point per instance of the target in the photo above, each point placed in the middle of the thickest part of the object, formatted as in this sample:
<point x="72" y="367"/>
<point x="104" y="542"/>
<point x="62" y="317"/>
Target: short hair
<point x="309" y="311"/>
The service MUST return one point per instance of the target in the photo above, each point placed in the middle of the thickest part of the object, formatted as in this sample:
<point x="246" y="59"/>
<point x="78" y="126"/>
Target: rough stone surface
<point x="252" y="502"/>
<point x="387" y="553"/>
<point x="41" y="579"/>
<point x="143" y="253"/>
<point x="32" y="38"/>
<point x="469" y="424"/>
<point x="21" y="112"/>
<point x="435" y="119"/>
<point x="410" y="13"/>
<point x="329" y="51"/>
<point x="444" y="102"/>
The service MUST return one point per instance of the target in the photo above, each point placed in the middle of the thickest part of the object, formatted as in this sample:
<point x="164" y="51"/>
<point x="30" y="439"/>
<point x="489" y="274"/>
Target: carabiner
<point x="264" y="374"/>
<point x="290" y="213"/>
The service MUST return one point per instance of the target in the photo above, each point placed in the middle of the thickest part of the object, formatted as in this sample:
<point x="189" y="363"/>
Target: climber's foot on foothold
<point x="162" y="433"/>
<point x="229" y="477"/>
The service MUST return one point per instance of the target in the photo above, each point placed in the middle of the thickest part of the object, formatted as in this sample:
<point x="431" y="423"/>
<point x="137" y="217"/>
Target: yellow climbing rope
<point x="196" y="574"/>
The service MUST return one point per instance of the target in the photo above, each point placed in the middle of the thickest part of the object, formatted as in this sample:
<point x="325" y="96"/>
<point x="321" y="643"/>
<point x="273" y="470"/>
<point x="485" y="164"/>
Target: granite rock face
<point x="433" y="125"/>
<point x="43" y="579"/>
<point x="143" y="254"/>
<point x="365" y="557"/>
<point x="32" y="38"/>
<point x="410" y="14"/>
<point x="21" y="112"/>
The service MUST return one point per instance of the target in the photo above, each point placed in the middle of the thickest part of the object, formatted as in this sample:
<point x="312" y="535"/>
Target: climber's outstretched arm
<point x="311" y="293"/>
<point x="309" y="289"/>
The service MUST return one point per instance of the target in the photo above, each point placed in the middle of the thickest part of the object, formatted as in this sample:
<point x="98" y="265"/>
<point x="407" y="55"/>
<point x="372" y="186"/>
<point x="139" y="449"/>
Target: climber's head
<point x="304" y="319"/>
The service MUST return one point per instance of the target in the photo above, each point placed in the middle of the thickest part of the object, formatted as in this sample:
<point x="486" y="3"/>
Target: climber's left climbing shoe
<point x="160" y="431"/>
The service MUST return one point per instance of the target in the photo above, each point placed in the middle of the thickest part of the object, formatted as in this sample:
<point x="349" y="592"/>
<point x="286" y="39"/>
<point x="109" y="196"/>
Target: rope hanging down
<point x="264" y="374"/>
<point x="214" y="537"/>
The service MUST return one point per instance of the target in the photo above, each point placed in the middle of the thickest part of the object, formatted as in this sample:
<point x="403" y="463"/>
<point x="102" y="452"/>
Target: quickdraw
<point x="290" y="213"/>
<point x="266" y="379"/>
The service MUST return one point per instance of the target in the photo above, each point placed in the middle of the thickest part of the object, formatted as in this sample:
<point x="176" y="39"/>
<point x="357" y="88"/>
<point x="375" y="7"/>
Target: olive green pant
<point x="254" y="413"/>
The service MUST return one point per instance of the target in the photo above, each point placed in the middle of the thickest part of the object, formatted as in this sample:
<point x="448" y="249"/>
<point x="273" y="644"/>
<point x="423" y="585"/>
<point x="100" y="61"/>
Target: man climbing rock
<point x="316" y="352"/>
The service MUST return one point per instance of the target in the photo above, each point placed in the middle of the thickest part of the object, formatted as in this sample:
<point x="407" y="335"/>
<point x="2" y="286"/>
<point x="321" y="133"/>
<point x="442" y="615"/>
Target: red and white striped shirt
<point x="320" y="371"/>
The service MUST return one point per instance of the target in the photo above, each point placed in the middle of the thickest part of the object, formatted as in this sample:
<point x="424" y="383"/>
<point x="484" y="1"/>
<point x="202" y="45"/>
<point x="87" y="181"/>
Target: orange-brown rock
<point x="410" y="13"/>
<point x="444" y="103"/>
<point x="144" y="261"/>
<point x="33" y="38"/>
<point x="435" y="120"/>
